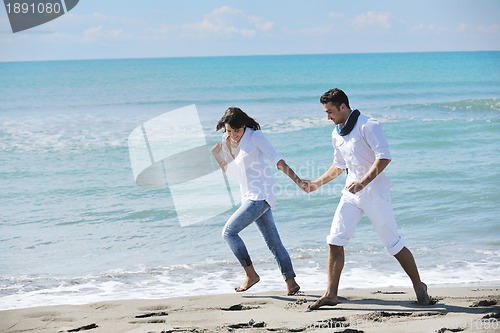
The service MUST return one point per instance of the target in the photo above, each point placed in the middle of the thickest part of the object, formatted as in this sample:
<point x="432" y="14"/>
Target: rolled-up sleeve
<point x="338" y="158"/>
<point x="266" y="148"/>
<point x="374" y="136"/>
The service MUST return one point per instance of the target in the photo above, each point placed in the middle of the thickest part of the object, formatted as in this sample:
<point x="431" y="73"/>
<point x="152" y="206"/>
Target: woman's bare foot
<point x="293" y="290"/>
<point x="323" y="301"/>
<point x="423" y="297"/>
<point x="292" y="287"/>
<point x="249" y="282"/>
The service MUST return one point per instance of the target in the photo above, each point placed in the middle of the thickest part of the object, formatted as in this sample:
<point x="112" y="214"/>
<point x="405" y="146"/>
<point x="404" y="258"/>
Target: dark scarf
<point x="351" y="121"/>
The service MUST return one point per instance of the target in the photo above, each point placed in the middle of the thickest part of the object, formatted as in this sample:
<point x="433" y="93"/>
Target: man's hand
<point x="354" y="187"/>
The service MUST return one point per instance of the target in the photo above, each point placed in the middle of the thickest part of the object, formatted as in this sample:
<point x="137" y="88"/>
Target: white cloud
<point x="80" y="22"/>
<point x="316" y="31"/>
<point x="492" y="29"/>
<point x="335" y="16"/>
<point x="227" y="21"/>
<point x="469" y="28"/>
<point x="161" y="30"/>
<point x="419" y="27"/>
<point x="260" y="24"/>
<point x="98" y="33"/>
<point x="372" y="19"/>
<point x="463" y="27"/>
<point x="89" y="28"/>
<point x="432" y="28"/>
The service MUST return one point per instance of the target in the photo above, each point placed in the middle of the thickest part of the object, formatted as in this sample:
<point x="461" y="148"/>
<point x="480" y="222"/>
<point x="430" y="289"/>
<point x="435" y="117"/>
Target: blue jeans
<point x="259" y="212"/>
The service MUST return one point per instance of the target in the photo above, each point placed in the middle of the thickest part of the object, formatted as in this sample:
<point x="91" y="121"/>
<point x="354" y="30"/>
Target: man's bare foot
<point x="323" y="301"/>
<point x="249" y="282"/>
<point x="423" y="297"/>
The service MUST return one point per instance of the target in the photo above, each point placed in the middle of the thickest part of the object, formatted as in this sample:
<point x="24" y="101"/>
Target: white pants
<point x="378" y="209"/>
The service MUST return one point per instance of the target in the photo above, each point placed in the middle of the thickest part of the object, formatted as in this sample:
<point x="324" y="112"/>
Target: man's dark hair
<point x="335" y="96"/>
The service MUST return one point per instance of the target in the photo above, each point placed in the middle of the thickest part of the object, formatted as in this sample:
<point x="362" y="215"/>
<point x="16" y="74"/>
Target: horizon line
<point x="242" y="55"/>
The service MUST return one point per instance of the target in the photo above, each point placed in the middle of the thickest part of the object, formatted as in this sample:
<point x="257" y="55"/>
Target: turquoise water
<point x="75" y="228"/>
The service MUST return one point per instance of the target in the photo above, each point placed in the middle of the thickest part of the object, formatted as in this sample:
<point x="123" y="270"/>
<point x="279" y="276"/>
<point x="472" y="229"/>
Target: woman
<point x="242" y="152"/>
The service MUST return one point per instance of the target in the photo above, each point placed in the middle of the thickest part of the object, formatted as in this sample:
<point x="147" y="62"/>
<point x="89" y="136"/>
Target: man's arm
<point x="377" y="167"/>
<point x="330" y="174"/>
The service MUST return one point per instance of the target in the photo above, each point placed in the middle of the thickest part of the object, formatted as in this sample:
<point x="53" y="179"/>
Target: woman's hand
<point x="216" y="149"/>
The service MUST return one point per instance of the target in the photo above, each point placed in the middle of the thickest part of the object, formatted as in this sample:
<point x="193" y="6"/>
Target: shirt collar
<point x="341" y="126"/>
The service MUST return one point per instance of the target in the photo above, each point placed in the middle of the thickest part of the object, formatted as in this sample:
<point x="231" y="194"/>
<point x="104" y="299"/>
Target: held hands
<point x="308" y="186"/>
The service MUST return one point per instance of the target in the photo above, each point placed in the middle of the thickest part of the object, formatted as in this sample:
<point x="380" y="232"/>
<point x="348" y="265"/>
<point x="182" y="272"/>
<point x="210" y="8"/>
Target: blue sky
<point x="102" y="29"/>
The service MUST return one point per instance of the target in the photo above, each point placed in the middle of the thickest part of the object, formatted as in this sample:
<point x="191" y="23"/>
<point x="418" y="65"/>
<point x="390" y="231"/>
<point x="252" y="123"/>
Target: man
<point x="361" y="149"/>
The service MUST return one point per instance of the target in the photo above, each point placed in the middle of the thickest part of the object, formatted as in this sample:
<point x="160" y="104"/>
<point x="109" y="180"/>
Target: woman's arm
<point x="268" y="150"/>
<point x="216" y="151"/>
<point x="289" y="172"/>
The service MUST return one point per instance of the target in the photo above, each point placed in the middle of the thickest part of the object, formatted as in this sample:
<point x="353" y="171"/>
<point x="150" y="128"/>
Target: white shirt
<point x="254" y="175"/>
<point x="357" y="151"/>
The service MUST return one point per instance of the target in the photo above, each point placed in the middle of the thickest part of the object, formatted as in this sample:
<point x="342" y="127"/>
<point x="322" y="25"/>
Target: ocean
<point x="75" y="228"/>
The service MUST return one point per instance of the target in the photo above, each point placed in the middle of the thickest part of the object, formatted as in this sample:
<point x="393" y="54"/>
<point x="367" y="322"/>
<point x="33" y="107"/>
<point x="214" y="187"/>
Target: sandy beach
<point x="382" y="310"/>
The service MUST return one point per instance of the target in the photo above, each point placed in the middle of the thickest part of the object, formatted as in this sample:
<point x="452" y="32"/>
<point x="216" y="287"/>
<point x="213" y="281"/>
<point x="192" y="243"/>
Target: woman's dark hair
<point x="237" y="119"/>
<point x="335" y="96"/>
